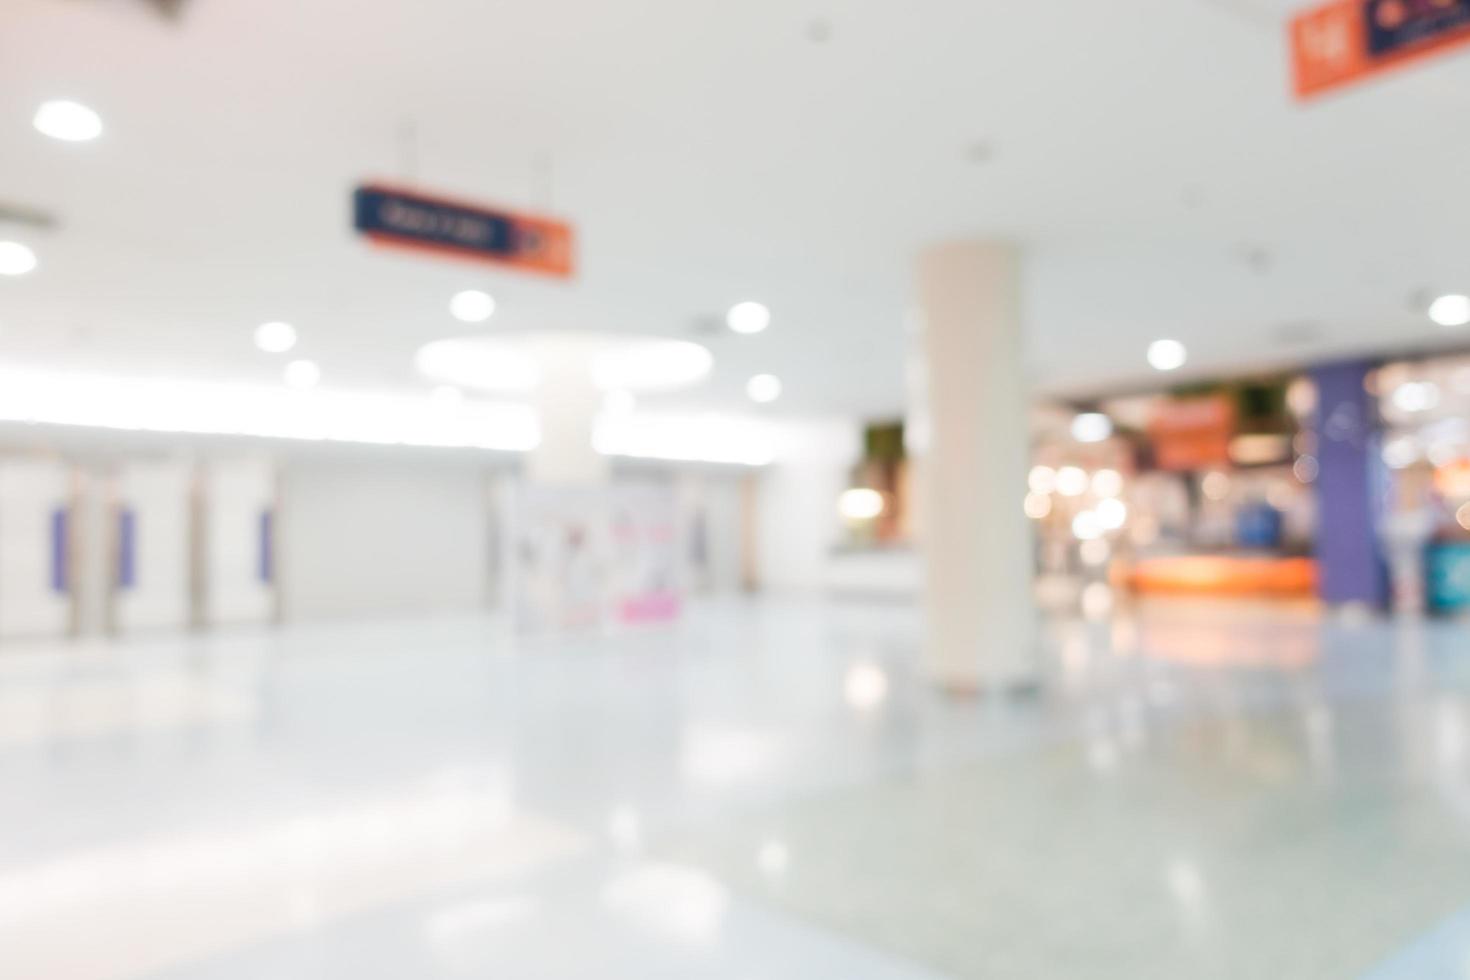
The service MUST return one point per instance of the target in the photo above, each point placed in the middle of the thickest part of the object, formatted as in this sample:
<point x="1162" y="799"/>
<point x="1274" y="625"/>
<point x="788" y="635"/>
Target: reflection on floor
<point x="769" y="790"/>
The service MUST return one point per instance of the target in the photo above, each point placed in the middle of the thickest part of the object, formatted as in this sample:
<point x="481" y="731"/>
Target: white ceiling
<point x="1146" y="153"/>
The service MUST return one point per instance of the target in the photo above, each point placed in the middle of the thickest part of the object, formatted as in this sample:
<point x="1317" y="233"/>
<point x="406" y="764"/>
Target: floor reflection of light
<point x="1102" y="755"/>
<point x="1317" y="723"/>
<point x="173" y="898"/>
<point x="1076" y="657"/>
<point x="669" y="901"/>
<point x="460" y="934"/>
<point x="773" y="859"/>
<point x="1124" y="637"/>
<point x="625" y="828"/>
<point x="1186" y="885"/>
<point x="1097" y="601"/>
<point x="94" y="709"/>
<point x="1132" y="722"/>
<point x="865" y="687"/>
<point x="724" y="757"/>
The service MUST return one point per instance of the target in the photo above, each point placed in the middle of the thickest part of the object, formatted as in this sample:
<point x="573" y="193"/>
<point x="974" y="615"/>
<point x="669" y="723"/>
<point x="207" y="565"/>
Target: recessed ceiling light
<point x="472" y="306"/>
<point x="748" y="317"/>
<point x="275" y="337"/>
<point x="302" y="374"/>
<point x="1092" y="427"/>
<point x="1167" y="355"/>
<point x="1450" y="311"/>
<point x="63" y="119"/>
<point x="763" y="388"/>
<point x="16" y="259"/>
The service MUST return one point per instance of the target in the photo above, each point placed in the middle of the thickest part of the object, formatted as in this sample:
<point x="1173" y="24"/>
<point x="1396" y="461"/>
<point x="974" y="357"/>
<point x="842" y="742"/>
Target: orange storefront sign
<point x="1193" y="433"/>
<point x="1346" y="41"/>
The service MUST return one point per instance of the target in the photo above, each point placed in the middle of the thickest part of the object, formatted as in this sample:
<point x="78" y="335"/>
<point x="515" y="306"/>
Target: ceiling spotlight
<point x="63" y="119"/>
<point x="763" y="388"/>
<point x="302" y="374"/>
<point x="748" y="317"/>
<point x="472" y="306"/>
<point x="275" y="337"/>
<point x="1450" y="311"/>
<point x="16" y="259"/>
<point x="1092" y="427"/>
<point x="1167" y="355"/>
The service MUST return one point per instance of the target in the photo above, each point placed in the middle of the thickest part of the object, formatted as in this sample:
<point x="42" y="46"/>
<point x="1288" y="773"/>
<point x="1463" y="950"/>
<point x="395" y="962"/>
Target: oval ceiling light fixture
<point x="472" y="306"/>
<point x="749" y="317"/>
<point x="651" y="365"/>
<point x="763" y="388"/>
<point x="72" y="122"/>
<point x="302" y="375"/>
<point x="479" y="363"/>
<point x="619" y="402"/>
<point x="16" y="259"/>
<point x="1167" y="355"/>
<point x="1092" y="427"/>
<point x="275" y="337"/>
<point x="1450" y="311"/>
<point x="447" y="396"/>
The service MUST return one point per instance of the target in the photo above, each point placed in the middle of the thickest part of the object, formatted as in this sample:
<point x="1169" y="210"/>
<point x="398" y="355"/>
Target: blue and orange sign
<point x="428" y="223"/>
<point x="1347" y="41"/>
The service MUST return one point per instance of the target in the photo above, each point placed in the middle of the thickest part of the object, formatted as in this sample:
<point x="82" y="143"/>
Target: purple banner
<point x="1351" y="567"/>
<point x="59" y="577"/>
<point x="127" y="548"/>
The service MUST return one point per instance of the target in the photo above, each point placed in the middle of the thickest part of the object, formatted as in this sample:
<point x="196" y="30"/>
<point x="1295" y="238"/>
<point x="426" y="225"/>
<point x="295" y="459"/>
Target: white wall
<point x="796" y="521"/>
<point x="239" y="580"/>
<point x="382" y="537"/>
<point x="32" y="601"/>
<point x="155" y="493"/>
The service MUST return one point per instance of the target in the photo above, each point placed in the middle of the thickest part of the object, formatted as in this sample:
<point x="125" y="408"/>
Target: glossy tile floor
<point x="768" y="791"/>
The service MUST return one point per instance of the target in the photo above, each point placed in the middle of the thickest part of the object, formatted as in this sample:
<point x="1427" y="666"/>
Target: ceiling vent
<point x="172" y="9"/>
<point x="19" y="214"/>
<point x="706" y="326"/>
<point x="169" y="9"/>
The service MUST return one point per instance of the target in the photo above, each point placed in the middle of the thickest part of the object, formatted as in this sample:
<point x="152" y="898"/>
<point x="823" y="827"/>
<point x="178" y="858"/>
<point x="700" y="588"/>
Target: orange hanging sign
<point x="1346" y="41"/>
<point x="440" y="226"/>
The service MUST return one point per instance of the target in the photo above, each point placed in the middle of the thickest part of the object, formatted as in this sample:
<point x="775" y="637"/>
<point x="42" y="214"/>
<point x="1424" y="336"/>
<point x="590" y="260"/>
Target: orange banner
<point x="1346" y="41"/>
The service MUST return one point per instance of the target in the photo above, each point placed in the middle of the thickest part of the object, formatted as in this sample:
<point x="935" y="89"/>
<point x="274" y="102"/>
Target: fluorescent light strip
<point x="697" y="439"/>
<point x="225" y="409"/>
<point x="232" y="409"/>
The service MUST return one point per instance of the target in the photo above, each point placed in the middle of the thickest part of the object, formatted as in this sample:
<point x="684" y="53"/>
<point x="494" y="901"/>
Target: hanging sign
<point x="1346" y="41"/>
<point x="428" y="223"/>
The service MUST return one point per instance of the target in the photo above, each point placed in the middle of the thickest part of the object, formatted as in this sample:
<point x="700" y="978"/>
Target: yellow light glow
<point x="860" y="504"/>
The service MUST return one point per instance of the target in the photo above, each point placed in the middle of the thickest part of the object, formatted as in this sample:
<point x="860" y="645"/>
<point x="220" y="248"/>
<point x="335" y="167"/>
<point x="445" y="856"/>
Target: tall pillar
<point x="976" y="539"/>
<point x="1347" y="536"/>
<point x="567" y="403"/>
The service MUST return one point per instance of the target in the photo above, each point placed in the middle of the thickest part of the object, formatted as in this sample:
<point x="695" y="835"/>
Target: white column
<point x="568" y="403"/>
<point x="976" y="539"/>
